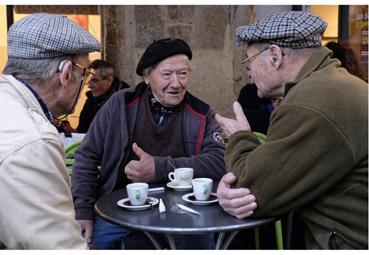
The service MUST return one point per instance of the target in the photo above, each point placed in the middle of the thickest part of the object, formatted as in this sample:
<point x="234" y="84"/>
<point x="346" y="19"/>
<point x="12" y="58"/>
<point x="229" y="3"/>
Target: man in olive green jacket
<point x="315" y="160"/>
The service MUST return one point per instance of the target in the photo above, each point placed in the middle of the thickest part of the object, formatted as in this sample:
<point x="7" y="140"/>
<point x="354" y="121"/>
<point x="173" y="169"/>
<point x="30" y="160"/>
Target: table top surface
<point x="174" y="219"/>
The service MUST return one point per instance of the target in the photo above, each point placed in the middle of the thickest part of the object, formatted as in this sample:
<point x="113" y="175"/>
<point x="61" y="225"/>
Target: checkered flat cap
<point x="42" y="35"/>
<point x="293" y="29"/>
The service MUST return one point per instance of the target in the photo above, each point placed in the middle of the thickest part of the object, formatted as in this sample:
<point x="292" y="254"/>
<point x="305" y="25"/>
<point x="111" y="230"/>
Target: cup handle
<point x="171" y="176"/>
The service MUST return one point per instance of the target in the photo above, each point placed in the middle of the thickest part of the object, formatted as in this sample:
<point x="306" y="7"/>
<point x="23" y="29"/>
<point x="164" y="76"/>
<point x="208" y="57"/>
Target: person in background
<point x="348" y="59"/>
<point x="140" y="134"/>
<point x="42" y="80"/>
<point x="102" y="86"/>
<point x="315" y="160"/>
<point x="256" y="109"/>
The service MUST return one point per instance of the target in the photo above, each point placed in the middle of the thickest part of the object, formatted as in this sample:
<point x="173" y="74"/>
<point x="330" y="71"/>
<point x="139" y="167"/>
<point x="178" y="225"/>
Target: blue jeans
<point x="107" y="235"/>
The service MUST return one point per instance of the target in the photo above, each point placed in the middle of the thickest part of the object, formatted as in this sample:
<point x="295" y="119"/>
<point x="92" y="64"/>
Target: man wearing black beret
<point x="140" y="134"/>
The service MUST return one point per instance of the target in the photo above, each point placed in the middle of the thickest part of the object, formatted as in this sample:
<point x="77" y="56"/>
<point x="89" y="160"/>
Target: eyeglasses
<point x="87" y="73"/>
<point x="249" y="59"/>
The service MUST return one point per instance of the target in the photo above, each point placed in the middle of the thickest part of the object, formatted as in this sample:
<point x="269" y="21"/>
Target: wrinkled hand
<point x="237" y="202"/>
<point x="87" y="226"/>
<point x="231" y="126"/>
<point x="142" y="170"/>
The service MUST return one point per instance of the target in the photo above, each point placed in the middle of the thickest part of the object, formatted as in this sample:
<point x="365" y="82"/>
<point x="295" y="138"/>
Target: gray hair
<point x="34" y="71"/>
<point x="148" y="70"/>
<point x="106" y="69"/>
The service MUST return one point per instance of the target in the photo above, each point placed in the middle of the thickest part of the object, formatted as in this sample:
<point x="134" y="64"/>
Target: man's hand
<point x="142" y="170"/>
<point x="87" y="226"/>
<point x="231" y="126"/>
<point x="237" y="202"/>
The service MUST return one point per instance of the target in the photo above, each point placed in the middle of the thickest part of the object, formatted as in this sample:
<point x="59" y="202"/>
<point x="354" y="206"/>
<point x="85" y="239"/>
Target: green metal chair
<point x="278" y="224"/>
<point x="69" y="155"/>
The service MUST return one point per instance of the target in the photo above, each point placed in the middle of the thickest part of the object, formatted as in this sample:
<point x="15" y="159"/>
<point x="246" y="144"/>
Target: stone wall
<point x="217" y="73"/>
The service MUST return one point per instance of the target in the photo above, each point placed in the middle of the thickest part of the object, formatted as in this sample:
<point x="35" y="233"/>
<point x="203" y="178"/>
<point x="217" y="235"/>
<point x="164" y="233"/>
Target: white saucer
<point x="150" y="202"/>
<point x="190" y="198"/>
<point x="178" y="187"/>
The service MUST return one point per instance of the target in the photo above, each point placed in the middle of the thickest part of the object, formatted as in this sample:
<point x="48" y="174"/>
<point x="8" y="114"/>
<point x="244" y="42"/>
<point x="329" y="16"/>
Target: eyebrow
<point x="171" y="70"/>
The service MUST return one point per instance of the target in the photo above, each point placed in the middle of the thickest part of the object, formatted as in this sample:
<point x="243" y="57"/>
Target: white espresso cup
<point x="202" y="188"/>
<point x="137" y="192"/>
<point x="182" y="176"/>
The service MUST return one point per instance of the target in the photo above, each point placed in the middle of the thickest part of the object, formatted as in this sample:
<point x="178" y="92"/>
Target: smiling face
<point x="169" y="79"/>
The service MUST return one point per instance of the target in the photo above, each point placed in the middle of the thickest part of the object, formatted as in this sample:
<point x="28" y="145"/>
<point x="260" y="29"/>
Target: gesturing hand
<point x="142" y="170"/>
<point x="237" y="202"/>
<point x="231" y="126"/>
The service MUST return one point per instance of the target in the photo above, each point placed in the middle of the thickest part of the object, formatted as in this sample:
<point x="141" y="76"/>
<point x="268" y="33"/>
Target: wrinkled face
<point x="262" y="71"/>
<point x="100" y="84"/>
<point x="169" y="79"/>
<point x="79" y="76"/>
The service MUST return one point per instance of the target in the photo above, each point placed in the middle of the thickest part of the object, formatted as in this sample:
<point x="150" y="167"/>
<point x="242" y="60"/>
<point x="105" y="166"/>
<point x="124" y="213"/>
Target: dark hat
<point x="42" y="35"/>
<point x="292" y="29"/>
<point x="160" y="50"/>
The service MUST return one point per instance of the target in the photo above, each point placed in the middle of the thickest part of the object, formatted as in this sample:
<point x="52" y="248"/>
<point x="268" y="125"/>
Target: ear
<point x="276" y="56"/>
<point x="147" y="81"/>
<point x="66" y="73"/>
<point x="111" y="79"/>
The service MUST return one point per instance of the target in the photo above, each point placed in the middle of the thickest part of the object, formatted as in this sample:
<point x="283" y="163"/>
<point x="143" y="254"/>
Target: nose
<point x="175" y="82"/>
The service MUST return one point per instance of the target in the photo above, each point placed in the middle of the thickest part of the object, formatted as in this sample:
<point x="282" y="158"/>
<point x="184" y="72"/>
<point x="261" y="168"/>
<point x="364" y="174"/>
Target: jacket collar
<point x="319" y="59"/>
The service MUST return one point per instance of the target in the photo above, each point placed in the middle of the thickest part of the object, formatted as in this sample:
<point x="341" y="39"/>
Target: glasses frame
<point x="249" y="59"/>
<point x="87" y="73"/>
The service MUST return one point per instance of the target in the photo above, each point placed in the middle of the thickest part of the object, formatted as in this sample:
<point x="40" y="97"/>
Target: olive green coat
<point x="315" y="160"/>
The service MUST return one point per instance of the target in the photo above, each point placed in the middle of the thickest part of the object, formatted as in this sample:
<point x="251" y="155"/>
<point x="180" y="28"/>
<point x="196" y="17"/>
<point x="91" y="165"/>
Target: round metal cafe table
<point x="175" y="220"/>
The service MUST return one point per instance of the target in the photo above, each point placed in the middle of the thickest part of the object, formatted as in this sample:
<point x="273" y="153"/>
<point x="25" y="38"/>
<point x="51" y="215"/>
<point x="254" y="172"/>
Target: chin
<point x="173" y="102"/>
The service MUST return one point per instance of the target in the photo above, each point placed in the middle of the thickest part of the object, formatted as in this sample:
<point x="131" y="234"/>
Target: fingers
<point x="228" y="179"/>
<point x="227" y="195"/>
<point x="239" y="207"/>
<point x="131" y="170"/>
<point x="223" y="123"/>
<point x="138" y="151"/>
<point x="238" y="202"/>
<point x="87" y="227"/>
<point x="240" y="115"/>
<point x="220" y="120"/>
<point x="88" y="232"/>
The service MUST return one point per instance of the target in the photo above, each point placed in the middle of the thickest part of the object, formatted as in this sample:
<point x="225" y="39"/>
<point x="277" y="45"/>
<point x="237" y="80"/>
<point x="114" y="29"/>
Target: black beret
<point x="160" y="50"/>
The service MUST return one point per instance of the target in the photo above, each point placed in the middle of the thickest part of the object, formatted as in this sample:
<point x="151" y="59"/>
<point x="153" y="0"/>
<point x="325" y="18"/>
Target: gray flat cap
<point x="293" y="29"/>
<point x="42" y="35"/>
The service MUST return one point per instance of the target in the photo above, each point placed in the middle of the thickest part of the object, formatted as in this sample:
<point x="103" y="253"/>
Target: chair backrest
<point x="69" y="152"/>
<point x="261" y="137"/>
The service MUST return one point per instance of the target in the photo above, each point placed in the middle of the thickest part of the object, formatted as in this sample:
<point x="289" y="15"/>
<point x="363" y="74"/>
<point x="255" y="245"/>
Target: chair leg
<point x="279" y="234"/>
<point x="289" y="230"/>
<point x="257" y="238"/>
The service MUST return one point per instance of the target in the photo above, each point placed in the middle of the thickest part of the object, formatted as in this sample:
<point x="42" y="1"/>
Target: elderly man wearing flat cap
<point x="140" y="134"/>
<point x="315" y="160"/>
<point x="41" y="81"/>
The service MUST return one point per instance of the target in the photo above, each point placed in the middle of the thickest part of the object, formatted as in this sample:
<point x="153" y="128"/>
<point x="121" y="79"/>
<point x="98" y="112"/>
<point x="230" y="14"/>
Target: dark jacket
<point x="93" y="104"/>
<point x="109" y="140"/>
<point x="256" y="109"/>
<point x="315" y="160"/>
